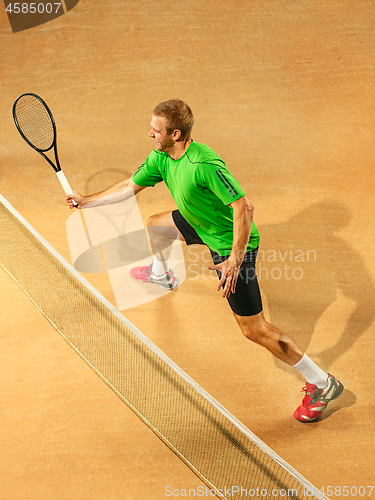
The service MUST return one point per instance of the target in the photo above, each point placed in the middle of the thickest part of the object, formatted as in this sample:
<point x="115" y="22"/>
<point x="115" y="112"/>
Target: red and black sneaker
<point x="316" y="400"/>
<point x="144" y="273"/>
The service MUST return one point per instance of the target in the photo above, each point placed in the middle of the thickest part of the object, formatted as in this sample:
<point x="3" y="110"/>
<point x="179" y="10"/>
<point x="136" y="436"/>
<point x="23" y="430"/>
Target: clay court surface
<point x="284" y="92"/>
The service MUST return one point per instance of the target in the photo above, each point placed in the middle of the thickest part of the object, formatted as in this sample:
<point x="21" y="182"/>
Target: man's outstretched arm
<point x="114" y="194"/>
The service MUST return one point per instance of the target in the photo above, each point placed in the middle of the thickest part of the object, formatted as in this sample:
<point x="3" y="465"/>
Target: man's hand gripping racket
<point x="36" y="125"/>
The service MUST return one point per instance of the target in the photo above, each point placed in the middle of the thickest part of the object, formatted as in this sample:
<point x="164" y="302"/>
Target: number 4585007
<point x="33" y="8"/>
<point x="346" y="491"/>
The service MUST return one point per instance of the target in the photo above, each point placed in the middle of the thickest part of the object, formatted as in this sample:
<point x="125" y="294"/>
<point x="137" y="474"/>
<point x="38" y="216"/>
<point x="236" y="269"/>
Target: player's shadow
<point x="303" y="266"/>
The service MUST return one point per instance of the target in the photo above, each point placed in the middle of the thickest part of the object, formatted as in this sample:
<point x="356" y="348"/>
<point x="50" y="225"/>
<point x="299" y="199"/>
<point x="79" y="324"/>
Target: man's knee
<point x="156" y="220"/>
<point x="255" y="333"/>
<point x="162" y="231"/>
<point x="162" y="226"/>
<point x="253" y="328"/>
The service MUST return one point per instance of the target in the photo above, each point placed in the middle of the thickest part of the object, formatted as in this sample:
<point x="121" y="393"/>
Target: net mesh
<point x="34" y="121"/>
<point x="224" y="457"/>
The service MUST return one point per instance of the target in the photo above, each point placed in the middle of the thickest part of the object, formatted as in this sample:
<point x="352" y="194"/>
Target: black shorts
<point x="246" y="301"/>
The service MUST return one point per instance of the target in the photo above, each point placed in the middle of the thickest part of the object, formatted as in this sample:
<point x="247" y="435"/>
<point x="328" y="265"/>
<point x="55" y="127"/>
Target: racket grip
<point x="65" y="184"/>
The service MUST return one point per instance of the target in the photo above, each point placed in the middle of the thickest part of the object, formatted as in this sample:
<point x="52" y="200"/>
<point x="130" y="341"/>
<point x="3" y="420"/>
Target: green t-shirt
<point x="202" y="188"/>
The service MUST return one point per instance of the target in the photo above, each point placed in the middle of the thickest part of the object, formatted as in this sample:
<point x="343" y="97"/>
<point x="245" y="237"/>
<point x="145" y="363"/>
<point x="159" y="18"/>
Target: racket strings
<point x="35" y="122"/>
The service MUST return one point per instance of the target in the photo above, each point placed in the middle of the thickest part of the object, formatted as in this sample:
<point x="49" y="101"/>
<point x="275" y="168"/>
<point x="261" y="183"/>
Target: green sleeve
<point x="148" y="174"/>
<point x="218" y="179"/>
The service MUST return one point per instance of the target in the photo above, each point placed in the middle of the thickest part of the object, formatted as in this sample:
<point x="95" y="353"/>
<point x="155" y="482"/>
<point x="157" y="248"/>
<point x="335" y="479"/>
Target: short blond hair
<point x="178" y="116"/>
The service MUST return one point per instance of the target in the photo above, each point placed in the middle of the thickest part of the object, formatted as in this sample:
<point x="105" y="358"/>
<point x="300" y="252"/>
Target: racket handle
<point x="65" y="184"/>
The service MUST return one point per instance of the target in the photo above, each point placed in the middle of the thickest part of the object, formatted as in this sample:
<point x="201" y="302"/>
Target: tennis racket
<point x="35" y="123"/>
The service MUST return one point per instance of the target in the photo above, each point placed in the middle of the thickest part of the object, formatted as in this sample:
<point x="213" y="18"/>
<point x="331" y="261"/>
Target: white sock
<point x="160" y="267"/>
<point x="312" y="373"/>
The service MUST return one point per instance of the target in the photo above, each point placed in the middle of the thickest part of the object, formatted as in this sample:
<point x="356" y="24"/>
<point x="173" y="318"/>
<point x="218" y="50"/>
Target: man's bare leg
<point x="163" y="232"/>
<point x="257" y="329"/>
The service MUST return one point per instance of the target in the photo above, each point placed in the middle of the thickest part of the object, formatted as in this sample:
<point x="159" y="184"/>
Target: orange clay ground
<point x="284" y="92"/>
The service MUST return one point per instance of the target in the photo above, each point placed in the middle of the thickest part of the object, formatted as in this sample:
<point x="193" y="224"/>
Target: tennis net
<point x="230" y="460"/>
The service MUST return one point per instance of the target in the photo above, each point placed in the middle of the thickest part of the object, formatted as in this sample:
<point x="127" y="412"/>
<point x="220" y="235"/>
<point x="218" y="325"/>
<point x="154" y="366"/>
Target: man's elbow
<point x="243" y="205"/>
<point x="249" y="207"/>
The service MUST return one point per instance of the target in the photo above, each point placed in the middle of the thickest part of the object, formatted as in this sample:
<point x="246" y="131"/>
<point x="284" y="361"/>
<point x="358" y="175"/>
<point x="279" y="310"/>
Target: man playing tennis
<point x="213" y="210"/>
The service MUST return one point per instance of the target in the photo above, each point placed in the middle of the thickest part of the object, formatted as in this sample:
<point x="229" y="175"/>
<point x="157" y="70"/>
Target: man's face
<point x="164" y="142"/>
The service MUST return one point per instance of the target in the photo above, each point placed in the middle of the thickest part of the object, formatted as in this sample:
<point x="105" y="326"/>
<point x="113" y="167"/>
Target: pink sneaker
<point x="145" y="274"/>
